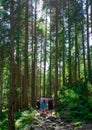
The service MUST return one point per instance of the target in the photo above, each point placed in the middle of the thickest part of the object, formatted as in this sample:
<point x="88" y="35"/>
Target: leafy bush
<point x="76" y="101"/>
<point x="4" y="120"/>
<point x="24" y="118"/>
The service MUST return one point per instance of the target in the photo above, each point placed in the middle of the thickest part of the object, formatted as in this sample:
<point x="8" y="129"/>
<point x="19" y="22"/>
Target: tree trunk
<point x="83" y="46"/>
<point x="56" y="56"/>
<point x="88" y="51"/>
<point x="26" y="70"/>
<point x="44" y="82"/>
<point x="11" y="105"/>
<point x="1" y="78"/>
<point x="18" y="61"/>
<point x="50" y="82"/>
<point x="69" y="52"/>
<point x="33" y="90"/>
<point x="76" y="57"/>
<point x="63" y="54"/>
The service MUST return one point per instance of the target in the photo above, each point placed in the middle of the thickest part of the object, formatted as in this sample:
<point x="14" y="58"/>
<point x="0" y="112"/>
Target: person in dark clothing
<point x="38" y="104"/>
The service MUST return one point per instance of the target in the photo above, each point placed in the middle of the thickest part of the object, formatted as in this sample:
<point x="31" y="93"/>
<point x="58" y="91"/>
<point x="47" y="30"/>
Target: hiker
<point x="38" y="104"/>
<point x="43" y="105"/>
<point x="50" y="104"/>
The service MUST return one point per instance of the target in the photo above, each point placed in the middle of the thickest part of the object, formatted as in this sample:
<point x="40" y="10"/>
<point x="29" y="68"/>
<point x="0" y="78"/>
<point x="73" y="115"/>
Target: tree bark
<point x="44" y="82"/>
<point x="33" y="90"/>
<point x="88" y="51"/>
<point x="69" y="52"/>
<point x="63" y="54"/>
<point x="56" y="56"/>
<point x="11" y="105"/>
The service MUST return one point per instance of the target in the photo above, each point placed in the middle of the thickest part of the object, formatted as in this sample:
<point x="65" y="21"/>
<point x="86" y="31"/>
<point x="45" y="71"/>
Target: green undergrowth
<point x="4" y="119"/>
<point x="22" y="118"/>
<point x="75" y="102"/>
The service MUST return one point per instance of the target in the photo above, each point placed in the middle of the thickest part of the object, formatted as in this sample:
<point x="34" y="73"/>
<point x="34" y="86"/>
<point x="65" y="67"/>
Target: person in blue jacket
<point x="43" y="105"/>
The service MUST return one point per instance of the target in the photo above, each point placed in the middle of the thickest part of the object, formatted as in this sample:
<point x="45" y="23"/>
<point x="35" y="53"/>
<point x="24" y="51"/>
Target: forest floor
<point x="53" y="122"/>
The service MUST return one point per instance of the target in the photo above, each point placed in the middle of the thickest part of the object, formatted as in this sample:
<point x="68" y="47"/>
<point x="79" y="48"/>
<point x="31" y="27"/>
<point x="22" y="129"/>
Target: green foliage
<point x="3" y="120"/>
<point x="76" y="101"/>
<point x="24" y="118"/>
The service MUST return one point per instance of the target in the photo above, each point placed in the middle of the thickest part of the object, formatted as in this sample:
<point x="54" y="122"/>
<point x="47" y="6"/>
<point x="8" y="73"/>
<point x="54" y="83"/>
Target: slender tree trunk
<point x="41" y="70"/>
<point x="1" y="78"/>
<point x="69" y="53"/>
<point x="50" y="83"/>
<point x="76" y="48"/>
<point x="32" y="75"/>
<point x="88" y="51"/>
<point x="11" y="105"/>
<point x="78" y="66"/>
<point x="56" y="56"/>
<point x="33" y="90"/>
<point x="63" y="54"/>
<point x="44" y="82"/>
<point x="77" y="60"/>
<point x="25" y="78"/>
<point x="83" y="46"/>
<point x="26" y="70"/>
<point x="18" y="60"/>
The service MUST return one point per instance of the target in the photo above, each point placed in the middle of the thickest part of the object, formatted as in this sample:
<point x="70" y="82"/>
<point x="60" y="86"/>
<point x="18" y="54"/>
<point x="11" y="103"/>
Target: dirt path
<point x="48" y="122"/>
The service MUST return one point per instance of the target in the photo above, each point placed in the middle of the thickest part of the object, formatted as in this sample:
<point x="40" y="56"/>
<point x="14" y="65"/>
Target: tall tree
<point x="69" y="41"/>
<point x="1" y="75"/>
<point x="41" y="71"/>
<point x="26" y="71"/>
<point x="56" y="55"/>
<point x="91" y="16"/>
<point x="33" y="83"/>
<point x="50" y="68"/>
<point x="88" y="50"/>
<point x="18" y="57"/>
<point x="83" y="45"/>
<point x="63" y="53"/>
<point x="11" y="102"/>
<point x="76" y="53"/>
<point x="44" y="82"/>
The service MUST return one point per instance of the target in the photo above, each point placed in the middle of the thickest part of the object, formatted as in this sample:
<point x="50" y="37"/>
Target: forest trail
<point x="48" y="122"/>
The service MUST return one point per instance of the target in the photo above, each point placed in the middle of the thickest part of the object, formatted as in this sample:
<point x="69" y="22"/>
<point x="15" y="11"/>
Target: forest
<point x="45" y="49"/>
